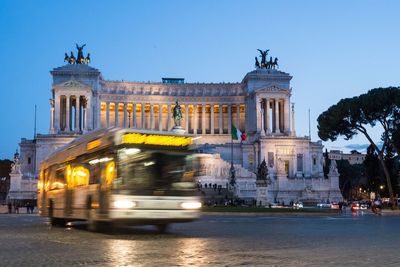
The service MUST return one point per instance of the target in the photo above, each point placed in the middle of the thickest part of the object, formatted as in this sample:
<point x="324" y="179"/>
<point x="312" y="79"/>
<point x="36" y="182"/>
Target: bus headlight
<point x="124" y="204"/>
<point x="191" y="205"/>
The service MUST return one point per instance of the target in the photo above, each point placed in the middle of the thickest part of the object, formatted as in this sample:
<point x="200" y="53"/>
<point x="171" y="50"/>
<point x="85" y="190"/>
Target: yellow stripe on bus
<point x="154" y="139"/>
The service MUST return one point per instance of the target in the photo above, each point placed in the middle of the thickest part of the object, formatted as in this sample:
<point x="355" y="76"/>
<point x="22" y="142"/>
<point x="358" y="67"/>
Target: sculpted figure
<point x="66" y="58"/>
<point x="257" y="63"/>
<point x="72" y="59"/>
<point x="177" y="114"/>
<point x="263" y="57"/>
<point x="81" y="58"/>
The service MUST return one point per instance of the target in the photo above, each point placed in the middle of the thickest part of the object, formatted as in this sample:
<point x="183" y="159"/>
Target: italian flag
<point x="237" y="134"/>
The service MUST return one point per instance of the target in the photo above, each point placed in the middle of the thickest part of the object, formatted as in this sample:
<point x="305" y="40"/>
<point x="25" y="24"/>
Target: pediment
<point x="72" y="84"/>
<point x="271" y="88"/>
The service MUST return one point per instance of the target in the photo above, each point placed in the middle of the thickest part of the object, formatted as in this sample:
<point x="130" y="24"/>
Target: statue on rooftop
<point x="81" y="58"/>
<point x="263" y="57"/>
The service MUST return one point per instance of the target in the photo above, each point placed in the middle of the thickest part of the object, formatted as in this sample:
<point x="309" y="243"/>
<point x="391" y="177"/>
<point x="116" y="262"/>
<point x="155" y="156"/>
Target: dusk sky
<point x="333" y="50"/>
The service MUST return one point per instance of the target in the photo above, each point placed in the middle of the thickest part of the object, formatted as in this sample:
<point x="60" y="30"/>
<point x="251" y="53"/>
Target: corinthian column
<point x="277" y="126"/>
<point x="212" y="119"/>
<point x="77" y="113"/>
<point x="125" y="114"/>
<point x="293" y="132"/>
<point x="187" y="118"/>
<point x="107" y="114"/>
<point x="67" y="113"/>
<point x="52" y="116"/>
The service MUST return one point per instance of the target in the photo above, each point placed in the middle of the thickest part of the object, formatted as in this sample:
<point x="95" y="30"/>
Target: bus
<point x="121" y="176"/>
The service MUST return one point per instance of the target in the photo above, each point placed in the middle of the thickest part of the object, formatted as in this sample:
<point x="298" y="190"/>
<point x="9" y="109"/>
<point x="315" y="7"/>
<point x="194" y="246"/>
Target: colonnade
<point x="69" y="113"/>
<point x="198" y="118"/>
<point x="274" y="115"/>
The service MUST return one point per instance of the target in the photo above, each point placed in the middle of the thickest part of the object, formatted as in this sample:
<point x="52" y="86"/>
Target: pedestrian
<point x="28" y="208"/>
<point x="9" y="208"/>
<point x="16" y="207"/>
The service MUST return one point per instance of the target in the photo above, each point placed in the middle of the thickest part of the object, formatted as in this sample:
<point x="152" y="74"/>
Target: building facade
<point x="82" y="100"/>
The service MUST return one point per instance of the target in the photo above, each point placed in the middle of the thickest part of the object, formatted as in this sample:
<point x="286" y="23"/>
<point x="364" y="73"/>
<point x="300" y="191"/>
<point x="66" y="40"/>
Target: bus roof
<point x="101" y="138"/>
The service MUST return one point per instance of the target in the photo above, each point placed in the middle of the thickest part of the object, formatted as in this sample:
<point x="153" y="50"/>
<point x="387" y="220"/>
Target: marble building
<point x="260" y="105"/>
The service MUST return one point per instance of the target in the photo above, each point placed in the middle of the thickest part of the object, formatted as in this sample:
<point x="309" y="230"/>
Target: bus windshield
<point x="149" y="171"/>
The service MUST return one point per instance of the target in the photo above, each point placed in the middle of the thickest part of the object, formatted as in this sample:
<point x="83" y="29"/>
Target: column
<point x="51" y="116"/>
<point x="134" y="115"/>
<point x="203" y="118"/>
<point x="229" y="118"/>
<point x="116" y="114"/>
<point x="57" y="112"/>
<point x="107" y="114"/>
<point x="293" y="132"/>
<point x="238" y="116"/>
<point x="221" y="128"/>
<point x="195" y="119"/>
<point x="258" y="114"/>
<point x="142" y="115"/>
<point x="187" y="118"/>
<point x="67" y="114"/>
<point x="262" y="120"/>
<point x="87" y="115"/>
<point x="151" y="117"/>
<point x="125" y="114"/>
<point x="77" y="113"/>
<point x="168" y="117"/>
<point x="160" y="117"/>
<point x="212" y="119"/>
<point x="286" y="118"/>
<point x="267" y="116"/>
<point x="277" y="116"/>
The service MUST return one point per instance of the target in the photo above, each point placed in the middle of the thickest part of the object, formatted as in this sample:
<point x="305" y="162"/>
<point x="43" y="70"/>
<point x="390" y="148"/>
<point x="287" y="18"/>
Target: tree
<point x="372" y="169"/>
<point x="351" y="116"/>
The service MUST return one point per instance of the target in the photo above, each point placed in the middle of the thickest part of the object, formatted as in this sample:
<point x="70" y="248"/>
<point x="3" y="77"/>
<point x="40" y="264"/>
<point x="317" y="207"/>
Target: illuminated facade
<point x="260" y="106"/>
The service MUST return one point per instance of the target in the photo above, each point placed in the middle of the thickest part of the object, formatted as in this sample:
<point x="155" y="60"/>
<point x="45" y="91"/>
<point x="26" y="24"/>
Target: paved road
<point x="215" y="240"/>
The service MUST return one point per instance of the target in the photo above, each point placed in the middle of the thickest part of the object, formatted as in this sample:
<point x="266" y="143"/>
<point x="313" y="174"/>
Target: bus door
<point x="68" y="191"/>
<point x="108" y="173"/>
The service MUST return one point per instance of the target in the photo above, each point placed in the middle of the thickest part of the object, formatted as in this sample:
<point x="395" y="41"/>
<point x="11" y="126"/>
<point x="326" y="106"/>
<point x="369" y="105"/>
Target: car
<point x="298" y="205"/>
<point x="324" y="205"/>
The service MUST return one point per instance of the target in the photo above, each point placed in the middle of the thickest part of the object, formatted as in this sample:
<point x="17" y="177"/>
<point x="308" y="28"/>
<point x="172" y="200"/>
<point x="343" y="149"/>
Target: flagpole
<point x="232" y="170"/>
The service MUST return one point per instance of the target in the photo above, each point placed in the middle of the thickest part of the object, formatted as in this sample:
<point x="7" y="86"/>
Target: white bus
<point x="120" y="176"/>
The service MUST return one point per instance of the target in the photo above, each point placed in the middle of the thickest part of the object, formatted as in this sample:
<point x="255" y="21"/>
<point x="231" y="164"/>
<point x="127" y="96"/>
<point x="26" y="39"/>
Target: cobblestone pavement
<point x="215" y="240"/>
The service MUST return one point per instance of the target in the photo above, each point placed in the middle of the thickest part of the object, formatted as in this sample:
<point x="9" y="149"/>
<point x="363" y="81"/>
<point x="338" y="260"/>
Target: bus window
<point x="80" y="176"/>
<point x="110" y="173"/>
<point x="154" y="171"/>
<point x="56" y="178"/>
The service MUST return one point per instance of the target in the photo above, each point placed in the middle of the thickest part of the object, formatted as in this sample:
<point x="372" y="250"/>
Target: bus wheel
<point x="162" y="228"/>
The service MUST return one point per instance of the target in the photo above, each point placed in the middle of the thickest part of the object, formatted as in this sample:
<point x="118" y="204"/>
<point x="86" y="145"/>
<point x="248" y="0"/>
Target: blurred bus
<point x="120" y="176"/>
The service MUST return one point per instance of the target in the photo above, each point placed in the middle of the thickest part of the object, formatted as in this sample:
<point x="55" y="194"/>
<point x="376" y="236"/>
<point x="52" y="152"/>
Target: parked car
<point x="298" y="205"/>
<point x="324" y="205"/>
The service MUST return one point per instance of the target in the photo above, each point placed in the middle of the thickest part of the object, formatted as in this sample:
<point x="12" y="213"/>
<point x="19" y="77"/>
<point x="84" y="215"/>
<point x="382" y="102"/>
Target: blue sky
<point x="333" y="49"/>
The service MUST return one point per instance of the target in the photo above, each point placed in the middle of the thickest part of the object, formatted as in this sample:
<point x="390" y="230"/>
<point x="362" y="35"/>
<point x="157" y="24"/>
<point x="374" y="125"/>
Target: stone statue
<point x="16" y="165"/>
<point x="263" y="57"/>
<point x="257" y="63"/>
<point x="177" y="114"/>
<point x="333" y="167"/>
<point x="81" y="58"/>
